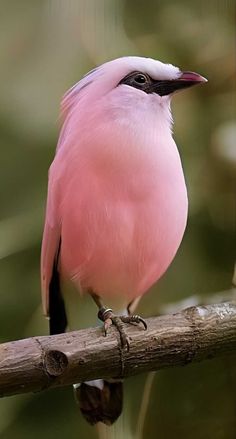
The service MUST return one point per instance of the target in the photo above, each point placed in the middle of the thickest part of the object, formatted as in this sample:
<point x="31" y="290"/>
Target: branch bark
<point x="194" y="334"/>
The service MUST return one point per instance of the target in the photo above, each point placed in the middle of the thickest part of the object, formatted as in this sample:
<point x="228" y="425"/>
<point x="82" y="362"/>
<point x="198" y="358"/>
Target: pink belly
<point x="118" y="244"/>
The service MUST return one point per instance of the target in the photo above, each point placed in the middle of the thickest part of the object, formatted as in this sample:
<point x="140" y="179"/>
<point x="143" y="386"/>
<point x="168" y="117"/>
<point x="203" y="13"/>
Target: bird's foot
<point x="107" y="316"/>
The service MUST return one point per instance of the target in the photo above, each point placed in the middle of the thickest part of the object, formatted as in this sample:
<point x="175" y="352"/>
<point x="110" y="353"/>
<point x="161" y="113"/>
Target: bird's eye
<point x="140" y="78"/>
<point x="137" y="80"/>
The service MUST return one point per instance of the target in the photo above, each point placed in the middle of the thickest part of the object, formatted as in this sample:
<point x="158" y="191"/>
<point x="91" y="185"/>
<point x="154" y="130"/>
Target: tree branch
<point x="194" y="334"/>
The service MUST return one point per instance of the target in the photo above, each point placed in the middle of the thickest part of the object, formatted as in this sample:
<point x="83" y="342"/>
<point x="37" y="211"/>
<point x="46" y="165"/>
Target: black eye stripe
<point x="162" y="87"/>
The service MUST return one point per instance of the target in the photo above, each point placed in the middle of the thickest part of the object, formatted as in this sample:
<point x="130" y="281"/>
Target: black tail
<point x="57" y="312"/>
<point x="100" y="404"/>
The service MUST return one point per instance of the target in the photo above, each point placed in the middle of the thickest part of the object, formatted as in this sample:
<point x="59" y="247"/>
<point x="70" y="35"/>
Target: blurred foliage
<point x="45" y="47"/>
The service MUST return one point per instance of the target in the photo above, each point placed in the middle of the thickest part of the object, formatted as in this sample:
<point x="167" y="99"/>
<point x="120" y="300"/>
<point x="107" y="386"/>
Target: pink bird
<point x="117" y="201"/>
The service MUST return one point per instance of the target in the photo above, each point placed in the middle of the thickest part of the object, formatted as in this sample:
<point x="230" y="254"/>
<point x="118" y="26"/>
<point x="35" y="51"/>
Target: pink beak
<point x="191" y="77"/>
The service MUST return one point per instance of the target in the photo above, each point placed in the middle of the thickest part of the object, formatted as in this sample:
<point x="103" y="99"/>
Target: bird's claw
<point x="107" y="316"/>
<point x="106" y="325"/>
<point x="134" y="319"/>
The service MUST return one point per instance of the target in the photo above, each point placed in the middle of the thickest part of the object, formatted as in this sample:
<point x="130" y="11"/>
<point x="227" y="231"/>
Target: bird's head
<point x="131" y="80"/>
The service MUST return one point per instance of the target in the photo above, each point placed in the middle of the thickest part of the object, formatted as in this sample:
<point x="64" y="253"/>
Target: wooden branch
<point x="194" y="334"/>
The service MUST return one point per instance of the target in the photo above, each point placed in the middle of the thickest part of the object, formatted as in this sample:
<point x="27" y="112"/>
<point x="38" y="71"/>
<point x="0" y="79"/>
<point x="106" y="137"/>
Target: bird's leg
<point x="133" y="305"/>
<point x="107" y="316"/>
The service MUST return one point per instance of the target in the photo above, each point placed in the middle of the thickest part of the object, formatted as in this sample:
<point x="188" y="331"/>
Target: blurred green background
<point x="45" y="47"/>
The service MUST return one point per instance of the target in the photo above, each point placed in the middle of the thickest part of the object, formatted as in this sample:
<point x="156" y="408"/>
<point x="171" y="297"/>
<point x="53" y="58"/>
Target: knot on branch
<point x="55" y="362"/>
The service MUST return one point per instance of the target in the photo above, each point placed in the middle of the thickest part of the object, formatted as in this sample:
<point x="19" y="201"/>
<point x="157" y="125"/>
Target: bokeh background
<point x="45" y="47"/>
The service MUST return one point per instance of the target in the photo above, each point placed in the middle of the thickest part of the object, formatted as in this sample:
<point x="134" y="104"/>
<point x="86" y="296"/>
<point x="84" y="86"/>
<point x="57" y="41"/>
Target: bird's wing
<point x="52" y="228"/>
